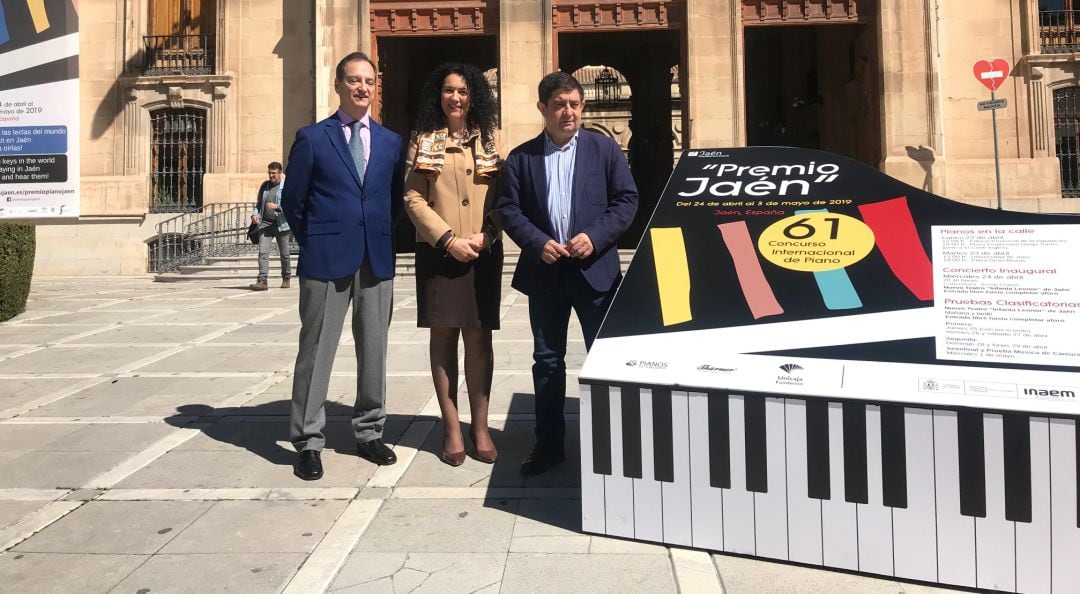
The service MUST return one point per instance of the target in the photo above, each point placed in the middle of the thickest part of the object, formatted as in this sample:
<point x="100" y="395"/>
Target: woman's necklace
<point x="458" y="137"/>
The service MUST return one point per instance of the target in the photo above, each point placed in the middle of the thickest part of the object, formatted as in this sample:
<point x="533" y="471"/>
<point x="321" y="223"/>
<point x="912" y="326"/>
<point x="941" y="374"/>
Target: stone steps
<point x="242" y="267"/>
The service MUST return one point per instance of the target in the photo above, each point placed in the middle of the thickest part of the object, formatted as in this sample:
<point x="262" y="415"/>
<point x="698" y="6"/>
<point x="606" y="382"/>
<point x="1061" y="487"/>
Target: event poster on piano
<point x="796" y="271"/>
<point x="39" y="109"/>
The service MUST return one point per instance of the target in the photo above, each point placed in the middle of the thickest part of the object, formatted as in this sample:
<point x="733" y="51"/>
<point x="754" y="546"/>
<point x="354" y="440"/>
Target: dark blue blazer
<point x="337" y="220"/>
<point x="604" y="202"/>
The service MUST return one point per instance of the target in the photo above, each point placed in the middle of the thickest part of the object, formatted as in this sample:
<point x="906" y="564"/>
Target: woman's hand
<point x="462" y="250"/>
<point x="477" y="242"/>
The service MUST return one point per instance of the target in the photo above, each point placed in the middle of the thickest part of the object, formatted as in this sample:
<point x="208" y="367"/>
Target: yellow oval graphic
<point x="816" y="241"/>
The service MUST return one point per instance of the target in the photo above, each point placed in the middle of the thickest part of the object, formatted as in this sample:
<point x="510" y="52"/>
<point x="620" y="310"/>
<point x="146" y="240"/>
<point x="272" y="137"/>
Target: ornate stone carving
<point x="175" y="97"/>
<point x="787" y="12"/>
<point x="421" y="18"/>
<point x="581" y="14"/>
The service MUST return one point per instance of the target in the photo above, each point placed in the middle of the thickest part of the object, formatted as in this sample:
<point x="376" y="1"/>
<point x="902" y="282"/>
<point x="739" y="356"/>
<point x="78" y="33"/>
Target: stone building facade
<point x="184" y="102"/>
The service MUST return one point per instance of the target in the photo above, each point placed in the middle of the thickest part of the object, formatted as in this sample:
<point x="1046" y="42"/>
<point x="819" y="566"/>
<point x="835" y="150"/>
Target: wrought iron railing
<point x="219" y="230"/>
<point x="178" y="54"/>
<point x="1066" y="136"/>
<point x="1059" y="31"/>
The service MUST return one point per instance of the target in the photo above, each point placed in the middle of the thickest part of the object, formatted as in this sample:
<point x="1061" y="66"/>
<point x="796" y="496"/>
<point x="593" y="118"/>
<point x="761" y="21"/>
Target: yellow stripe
<point x="672" y="274"/>
<point x="37" y="12"/>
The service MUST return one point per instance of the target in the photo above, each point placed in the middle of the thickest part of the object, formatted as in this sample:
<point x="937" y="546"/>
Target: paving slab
<point x="419" y="572"/>
<point x="90" y="317"/>
<point x="57" y="470"/>
<point x="213" y="572"/>
<point x="536" y="572"/>
<point x="441" y="526"/>
<point x="109" y="437"/>
<point x="258" y="527"/>
<point x="13" y="511"/>
<point x="40" y="334"/>
<point x="70" y="359"/>
<point x="116" y="527"/>
<point x="203" y="316"/>
<point x="16" y="392"/>
<point x="752" y="576"/>
<point x="286" y="335"/>
<point x="223" y="359"/>
<point x="63" y="573"/>
<point x="141" y="334"/>
<point x="146" y="396"/>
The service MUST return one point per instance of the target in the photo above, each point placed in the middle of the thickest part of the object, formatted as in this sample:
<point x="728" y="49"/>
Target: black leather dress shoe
<point x="375" y="451"/>
<point x="538" y="462"/>
<point x="309" y="465"/>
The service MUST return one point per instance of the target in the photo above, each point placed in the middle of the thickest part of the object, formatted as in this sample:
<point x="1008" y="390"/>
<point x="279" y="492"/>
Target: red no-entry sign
<point x="991" y="74"/>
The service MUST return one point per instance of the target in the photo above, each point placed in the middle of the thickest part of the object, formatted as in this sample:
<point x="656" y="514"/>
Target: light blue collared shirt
<point x="365" y="131"/>
<point x="559" y="168"/>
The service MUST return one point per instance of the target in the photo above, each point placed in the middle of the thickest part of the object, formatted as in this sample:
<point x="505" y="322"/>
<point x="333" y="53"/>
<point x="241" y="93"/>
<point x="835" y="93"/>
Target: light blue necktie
<point x="356" y="147"/>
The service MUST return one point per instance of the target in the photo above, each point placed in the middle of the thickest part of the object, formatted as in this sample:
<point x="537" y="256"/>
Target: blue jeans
<point x="549" y="316"/>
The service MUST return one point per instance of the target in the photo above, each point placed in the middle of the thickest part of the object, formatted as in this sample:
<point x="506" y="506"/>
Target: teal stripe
<point x="835" y="285"/>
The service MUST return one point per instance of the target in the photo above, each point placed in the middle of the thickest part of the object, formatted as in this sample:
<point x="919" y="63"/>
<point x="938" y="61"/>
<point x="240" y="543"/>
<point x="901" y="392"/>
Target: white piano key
<point x="875" y="519"/>
<point x="592" y="484"/>
<point x="956" y="533"/>
<point x="804" y="512"/>
<point x="1065" y="536"/>
<point x="1033" y="538"/>
<point x="677" y="529"/>
<point x="839" y="525"/>
<point x="770" y="508"/>
<point x="618" y="489"/>
<point x="915" y="527"/>
<point x="648" y="502"/>
<point x="739" y="534"/>
<point x="995" y="537"/>
<point x="706" y="501"/>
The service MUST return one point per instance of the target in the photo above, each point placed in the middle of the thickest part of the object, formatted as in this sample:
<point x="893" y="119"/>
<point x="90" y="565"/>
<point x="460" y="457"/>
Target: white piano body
<point x="830" y="435"/>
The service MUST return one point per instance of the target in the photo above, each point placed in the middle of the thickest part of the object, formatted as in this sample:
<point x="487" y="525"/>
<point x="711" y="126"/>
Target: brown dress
<point x="452" y="294"/>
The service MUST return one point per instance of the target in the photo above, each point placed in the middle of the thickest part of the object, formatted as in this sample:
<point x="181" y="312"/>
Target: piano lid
<point x="800" y="271"/>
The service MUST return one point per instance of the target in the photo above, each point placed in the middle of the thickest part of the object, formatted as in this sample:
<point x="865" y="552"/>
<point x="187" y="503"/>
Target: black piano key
<point x="663" y="440"/>
<point x="818" y="485"/>
<point x="757" y="463"/>
<point x="893" y="457"/>
<point x="855" y="481"/>
<point x="631" y="432"/>
<point x="970" y="444"/>
<point x="719" y="442"/>
<point x="1017" y="441"/>
<point x="601" y="430"/>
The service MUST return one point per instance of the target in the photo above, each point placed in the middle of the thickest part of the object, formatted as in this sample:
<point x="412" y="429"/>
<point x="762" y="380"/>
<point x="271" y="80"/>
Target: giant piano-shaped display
<point x="809" y="361"/>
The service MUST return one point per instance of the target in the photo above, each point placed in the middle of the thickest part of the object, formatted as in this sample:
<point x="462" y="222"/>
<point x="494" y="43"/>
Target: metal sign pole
<point x="997" y="163"/>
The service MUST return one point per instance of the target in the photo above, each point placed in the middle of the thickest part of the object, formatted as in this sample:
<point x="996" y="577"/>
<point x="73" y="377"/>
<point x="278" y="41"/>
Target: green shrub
<point x="16" y="267"/>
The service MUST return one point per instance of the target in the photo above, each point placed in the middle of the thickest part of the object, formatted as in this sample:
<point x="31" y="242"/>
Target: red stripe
<point x="896" y="237"/>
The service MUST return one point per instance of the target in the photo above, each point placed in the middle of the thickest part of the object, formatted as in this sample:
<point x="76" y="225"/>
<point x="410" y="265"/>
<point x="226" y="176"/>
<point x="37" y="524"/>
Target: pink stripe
<point x="759" y="295"/>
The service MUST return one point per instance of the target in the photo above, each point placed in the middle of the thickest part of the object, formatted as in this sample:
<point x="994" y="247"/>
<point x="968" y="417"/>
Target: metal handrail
<point x="190" y="238"/>
<point x="1059" y="31"/>
<point x="179" y="54"/>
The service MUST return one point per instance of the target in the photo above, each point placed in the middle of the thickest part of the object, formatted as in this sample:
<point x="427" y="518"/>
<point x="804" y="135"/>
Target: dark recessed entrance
<point x="814" y="87"/>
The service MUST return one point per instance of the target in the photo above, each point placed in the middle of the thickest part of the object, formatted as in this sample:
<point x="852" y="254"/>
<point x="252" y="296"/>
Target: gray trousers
<point x="323" y="305"/>
<point x="266" y="236"/>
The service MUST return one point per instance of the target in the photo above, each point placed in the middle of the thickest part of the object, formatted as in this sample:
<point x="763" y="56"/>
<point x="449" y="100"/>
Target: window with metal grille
<point x="1059" y="26"/>
<point x="1066" y="132"/>
<point x="177" y="159"/>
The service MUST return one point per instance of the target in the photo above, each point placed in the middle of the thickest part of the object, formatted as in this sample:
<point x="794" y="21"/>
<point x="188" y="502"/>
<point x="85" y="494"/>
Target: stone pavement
<point x="143" y="448"/>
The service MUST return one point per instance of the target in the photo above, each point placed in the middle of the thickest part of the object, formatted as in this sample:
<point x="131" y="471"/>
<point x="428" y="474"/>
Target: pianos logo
<point x="646" y="364"/>
<point x="1041" y="393"/>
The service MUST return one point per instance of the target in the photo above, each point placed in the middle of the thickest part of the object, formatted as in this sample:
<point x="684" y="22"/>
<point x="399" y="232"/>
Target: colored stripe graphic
<point x="834" y="285"/>
<point x="896" y="237"/>
<point x="4" y="36"/>
<point x="672" y="274"/>
<point x="37" y="13"/>
<point x="755" y="287"/>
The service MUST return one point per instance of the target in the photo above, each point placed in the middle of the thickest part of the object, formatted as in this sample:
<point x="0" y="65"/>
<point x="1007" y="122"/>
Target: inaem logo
<point x="790" y="368"/>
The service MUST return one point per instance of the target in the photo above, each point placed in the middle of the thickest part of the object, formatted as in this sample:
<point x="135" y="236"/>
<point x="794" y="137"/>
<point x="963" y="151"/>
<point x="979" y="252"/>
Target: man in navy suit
<point x="344" y="194"/>
<point x="565" y="197"/>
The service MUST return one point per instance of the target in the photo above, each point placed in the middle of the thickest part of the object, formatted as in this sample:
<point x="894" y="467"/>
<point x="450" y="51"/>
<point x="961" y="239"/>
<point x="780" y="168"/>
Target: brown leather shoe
<point x="285" y="283"/>
<point x="453" y="458"/>
<point x="485" y="456"/>
<point x="259" y="286"/>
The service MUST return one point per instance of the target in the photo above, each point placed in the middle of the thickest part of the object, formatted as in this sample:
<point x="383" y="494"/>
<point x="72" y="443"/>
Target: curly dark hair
<point x="482" y="109"/>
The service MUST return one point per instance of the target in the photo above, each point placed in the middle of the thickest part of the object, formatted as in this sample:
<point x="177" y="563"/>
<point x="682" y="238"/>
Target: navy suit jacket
<point x="337" y="220"/>
<point x="604" y="202"/>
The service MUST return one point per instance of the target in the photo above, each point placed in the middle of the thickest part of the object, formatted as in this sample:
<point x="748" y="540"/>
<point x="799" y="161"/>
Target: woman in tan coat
<point x="449" y="195"/>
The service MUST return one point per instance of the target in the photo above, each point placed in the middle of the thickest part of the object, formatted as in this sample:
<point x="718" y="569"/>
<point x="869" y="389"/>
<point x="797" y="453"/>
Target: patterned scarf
<point x="431" y="152"/>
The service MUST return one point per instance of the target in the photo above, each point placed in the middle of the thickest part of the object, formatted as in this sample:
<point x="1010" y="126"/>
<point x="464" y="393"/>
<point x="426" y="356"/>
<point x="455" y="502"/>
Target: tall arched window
<point x="1066" y="133"/>
<point x="177" y="159"/>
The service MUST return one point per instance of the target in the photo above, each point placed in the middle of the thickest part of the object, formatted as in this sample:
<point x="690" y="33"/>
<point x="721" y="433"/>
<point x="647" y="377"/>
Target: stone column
<point x="714" y="90"/>
<point x="524" y="41"/>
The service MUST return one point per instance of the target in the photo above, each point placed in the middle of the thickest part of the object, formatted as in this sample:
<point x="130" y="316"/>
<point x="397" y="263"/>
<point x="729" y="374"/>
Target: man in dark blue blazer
<point x="565" y="197"/>
<point x="344" y="195"/>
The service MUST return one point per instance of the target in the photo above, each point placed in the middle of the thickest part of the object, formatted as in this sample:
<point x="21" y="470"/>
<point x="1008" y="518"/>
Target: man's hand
<point x="553" y="250"/>
<point x="476" y="240"/>
<point x="579" y="246"/>
<point x="271" y="206"/>
<point x="254" y="219"/>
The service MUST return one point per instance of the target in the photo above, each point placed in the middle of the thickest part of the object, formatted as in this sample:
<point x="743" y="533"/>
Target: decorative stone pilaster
<point x="219" y="116"/>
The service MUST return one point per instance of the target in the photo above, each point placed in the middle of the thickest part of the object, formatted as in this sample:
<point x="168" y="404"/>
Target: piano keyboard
<point x="970" y="498"/>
